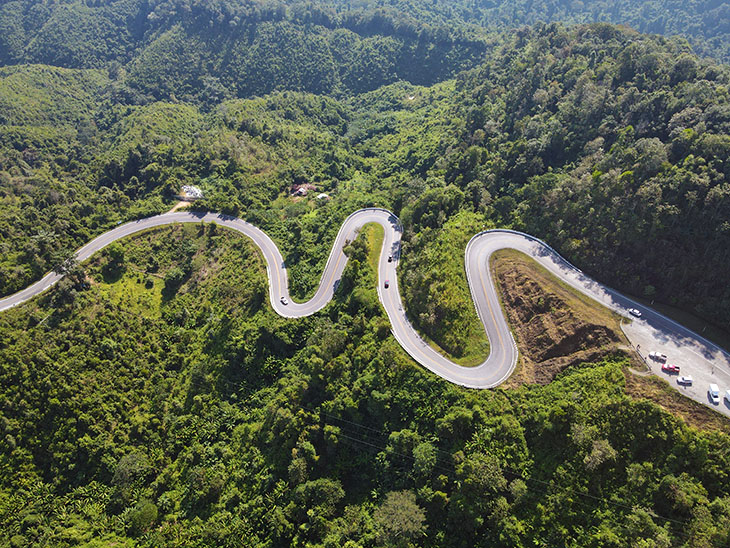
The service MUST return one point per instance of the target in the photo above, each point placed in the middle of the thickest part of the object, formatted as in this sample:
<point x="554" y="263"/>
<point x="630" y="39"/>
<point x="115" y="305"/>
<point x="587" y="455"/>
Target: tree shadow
<point x="112" y="273"/>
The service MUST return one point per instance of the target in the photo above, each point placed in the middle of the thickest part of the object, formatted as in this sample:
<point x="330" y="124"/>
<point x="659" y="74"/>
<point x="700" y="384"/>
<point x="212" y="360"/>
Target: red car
<point x="671" y="369"/>
<point x="387" y="284"/>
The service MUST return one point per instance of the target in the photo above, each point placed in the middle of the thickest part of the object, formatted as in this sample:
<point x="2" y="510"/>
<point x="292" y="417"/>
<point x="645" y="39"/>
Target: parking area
<point x="705" y="364"/>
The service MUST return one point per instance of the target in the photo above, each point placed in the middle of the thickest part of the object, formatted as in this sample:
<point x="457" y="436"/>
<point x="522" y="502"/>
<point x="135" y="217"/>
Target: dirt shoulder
<point x="554" y="325"/>
<point x="658" y="391"/>
<point x="182" y="204"/>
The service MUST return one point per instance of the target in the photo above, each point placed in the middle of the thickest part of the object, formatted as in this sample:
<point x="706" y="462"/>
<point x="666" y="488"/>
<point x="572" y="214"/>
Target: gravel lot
<point x="703" y="362"/>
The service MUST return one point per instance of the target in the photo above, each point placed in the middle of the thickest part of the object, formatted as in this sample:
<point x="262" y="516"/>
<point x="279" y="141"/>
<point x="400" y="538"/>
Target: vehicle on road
<point x="635" y="312"/>
<point x="490" y="373"/>
<point x="686" y="380"/>
<point x="390" y="258"/>
<point x="387" y="284"/>
<point x="658" y="357"/>
<point x="714" y="393"/>
<point x="727" y="396"/>
<point x="670" y="368"/>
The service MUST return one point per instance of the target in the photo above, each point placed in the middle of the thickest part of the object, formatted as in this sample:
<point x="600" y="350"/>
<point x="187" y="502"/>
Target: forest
<point x="153" y="398"/>
<point x="168" y="406"/>
<point x="91" y="33"/>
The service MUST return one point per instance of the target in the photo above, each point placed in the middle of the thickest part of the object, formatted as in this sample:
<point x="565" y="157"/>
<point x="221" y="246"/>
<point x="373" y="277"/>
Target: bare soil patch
<point x="554" y="325"/>
<point x="180" y="205"/>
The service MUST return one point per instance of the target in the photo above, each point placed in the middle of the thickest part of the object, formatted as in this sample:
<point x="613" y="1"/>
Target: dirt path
<point x="179" y="205"/>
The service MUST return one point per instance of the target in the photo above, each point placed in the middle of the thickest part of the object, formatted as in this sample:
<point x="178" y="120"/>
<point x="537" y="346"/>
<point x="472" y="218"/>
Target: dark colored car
<point x="390" y="258"/>
<point x="387" y="284"/>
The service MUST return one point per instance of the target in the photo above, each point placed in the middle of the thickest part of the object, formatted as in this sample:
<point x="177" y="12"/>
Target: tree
<point x="424" y="455"/>
<point x="399" y="518"/>
<point x="173" y="280"/>
<point x="142" y="517"/>
<point x="64" y="261"/>
<point x="115" y="264"/>
<point x="115" y="251"/>
<point x="601" y="452"/>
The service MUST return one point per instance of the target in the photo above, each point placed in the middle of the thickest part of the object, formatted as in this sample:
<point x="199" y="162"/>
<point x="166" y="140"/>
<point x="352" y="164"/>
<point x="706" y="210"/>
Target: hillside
<point x="168" y="404"/>
<point x="354" y="43"/>
<point x="615" y="140"/>
<point x="154" y="398"/>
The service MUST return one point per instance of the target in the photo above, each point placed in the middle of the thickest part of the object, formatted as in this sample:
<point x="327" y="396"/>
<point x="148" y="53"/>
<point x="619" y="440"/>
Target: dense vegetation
<point x="376" y="39"/>
<point x="614" y="150"/>
<point x="169" y="405"/>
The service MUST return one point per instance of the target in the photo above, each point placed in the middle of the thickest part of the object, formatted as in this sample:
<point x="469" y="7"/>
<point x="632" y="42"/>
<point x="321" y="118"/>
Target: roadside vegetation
<point x="198" y="416"/>
<point x="374" y="234"/>
<point x="436" y="293"/>
<point x="658" y="391"/>
<point x="153" y="398"/>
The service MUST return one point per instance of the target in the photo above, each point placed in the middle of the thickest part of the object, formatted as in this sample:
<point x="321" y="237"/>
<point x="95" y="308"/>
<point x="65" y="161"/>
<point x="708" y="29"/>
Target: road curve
<point x="503" y="355"/>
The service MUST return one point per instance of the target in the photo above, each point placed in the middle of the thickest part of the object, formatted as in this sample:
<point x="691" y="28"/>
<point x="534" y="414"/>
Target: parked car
<point x="727" y="396"/>
<point x="387" y="284"/>
<point x="635" y="312"/>
<point x="686" y="380"/>
<point x="714" y="393"/>
<point x="658" y="357"/>
<point x="670" y="368"/>
<point x="284" y="301"/>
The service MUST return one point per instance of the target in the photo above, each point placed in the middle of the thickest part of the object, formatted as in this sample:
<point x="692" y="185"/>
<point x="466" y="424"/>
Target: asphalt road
<point x="503" y="356"/>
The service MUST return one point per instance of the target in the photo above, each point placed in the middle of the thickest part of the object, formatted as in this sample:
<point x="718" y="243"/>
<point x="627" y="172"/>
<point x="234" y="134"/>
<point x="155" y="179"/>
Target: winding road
<point x="503" y="355"/>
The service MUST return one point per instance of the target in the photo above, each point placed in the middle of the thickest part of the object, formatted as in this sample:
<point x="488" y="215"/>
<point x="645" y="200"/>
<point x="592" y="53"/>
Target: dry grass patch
<point x="555" y="326"/>
<point x="658" y="391"/>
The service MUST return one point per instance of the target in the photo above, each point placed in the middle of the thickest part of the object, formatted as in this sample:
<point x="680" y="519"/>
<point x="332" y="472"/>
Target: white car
<point x="284" y="301"/>
<point x="635" y="312"/>
<point x="658" y="357"/>
<point x="687" y="380"/>
<point x="714" y="393"/>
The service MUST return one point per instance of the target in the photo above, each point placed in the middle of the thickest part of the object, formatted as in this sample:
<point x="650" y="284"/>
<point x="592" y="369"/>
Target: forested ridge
<point x="153" y="398"/>
<point x="169" y="405"/>
<point x="612" y="141"/>
<point x="79" y="34"/>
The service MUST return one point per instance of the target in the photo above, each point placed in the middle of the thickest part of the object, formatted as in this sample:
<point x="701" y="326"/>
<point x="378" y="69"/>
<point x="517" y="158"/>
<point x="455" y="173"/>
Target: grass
<point x="374" y="235"/>
<point x="582" y="307"/>
<point x="140" y="294"/>
<point x="658" y="391"/>
<point x="580" y="303"/>
<point x="476" y="350"/>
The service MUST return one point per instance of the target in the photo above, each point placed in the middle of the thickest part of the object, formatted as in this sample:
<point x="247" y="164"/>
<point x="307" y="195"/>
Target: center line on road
<point x="492" y="372"/>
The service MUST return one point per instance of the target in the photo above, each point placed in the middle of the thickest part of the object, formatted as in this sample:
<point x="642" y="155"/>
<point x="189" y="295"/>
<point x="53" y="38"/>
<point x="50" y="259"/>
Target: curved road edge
<point x="503" y="350"/>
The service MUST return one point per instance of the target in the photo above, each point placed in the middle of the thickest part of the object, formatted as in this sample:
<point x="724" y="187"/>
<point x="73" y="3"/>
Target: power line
<point x="357" y="437"/>
<point x="677" y="532"/>
<point x="511" y="471"/>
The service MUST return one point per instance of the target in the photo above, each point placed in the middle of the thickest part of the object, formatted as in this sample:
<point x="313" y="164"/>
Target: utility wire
<point x="357" y="437"/>
<point x="677" y="532"/>
<point x="507" y="469"/>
